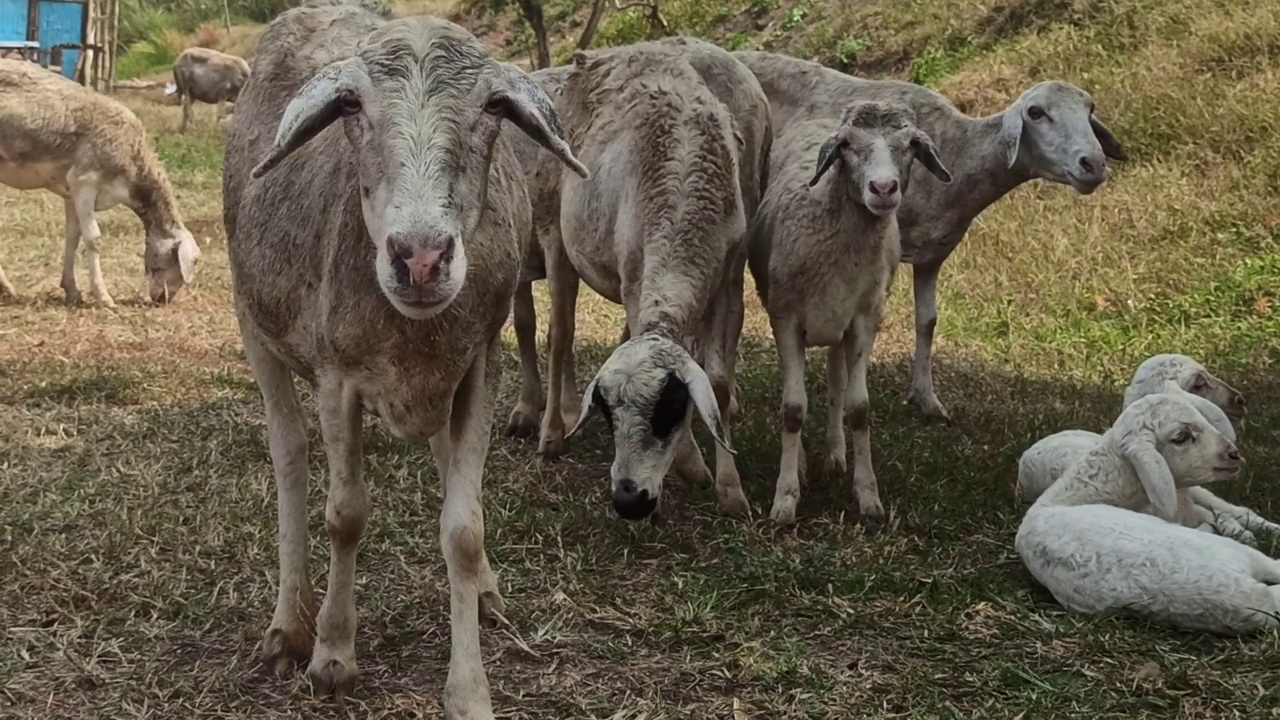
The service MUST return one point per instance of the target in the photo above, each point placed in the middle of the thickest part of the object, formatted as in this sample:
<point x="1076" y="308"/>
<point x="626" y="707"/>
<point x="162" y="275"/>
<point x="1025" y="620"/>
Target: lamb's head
<point x="876" y="144"/>
<point x="170" y="259"/>
<point x="421" y="103"/>
<point x="646" y="391"/>
<point x="1052" y="130"/>
<point x="1171" y="445"/>
<point x="1160" y="372"/>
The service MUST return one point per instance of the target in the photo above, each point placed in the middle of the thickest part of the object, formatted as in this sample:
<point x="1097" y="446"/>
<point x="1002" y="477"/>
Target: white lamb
<point x="1083" y="540"/>
<point x="1047" y="459"/>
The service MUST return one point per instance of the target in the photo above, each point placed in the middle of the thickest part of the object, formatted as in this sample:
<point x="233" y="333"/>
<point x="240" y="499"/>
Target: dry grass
<point x="136" y="501"/>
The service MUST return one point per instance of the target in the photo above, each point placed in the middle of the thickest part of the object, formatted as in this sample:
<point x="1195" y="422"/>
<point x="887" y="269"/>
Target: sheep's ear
<point x="1110" y="145"/>
<point x="1011" y="132"/>
<point x="927" y="154"/>
<point x="827" y="156"/>
<point x="1214" y="414"/>
<point x="188" y="253"/>
<point x="327" y="96"/>
<point x="1154" y="473"/>
<point x="584" y="410"/>
<point x="519" y="99"/>
<point x="704" y="398"/>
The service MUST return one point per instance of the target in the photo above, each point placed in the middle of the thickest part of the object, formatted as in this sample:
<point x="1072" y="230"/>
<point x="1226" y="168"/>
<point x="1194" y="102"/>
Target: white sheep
<point x="376" y="223"/>
<point x="823" y="250"/>
<point x="1048" y="458"/>
<point x="208" y="76"/>
<point x="659" y="228"/>
<point x="1049" y="132"/>
<point x="94" y="153"/>
<point x="1083" y="540"/>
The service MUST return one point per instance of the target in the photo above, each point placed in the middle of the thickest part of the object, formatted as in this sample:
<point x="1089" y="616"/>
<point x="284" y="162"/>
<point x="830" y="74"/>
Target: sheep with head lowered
<point x="1220" y="403"/>
<point x="208" y="76"/>
<point x="659" y="228"/>
<point x="376" y="222"/>
<point x="94" y="153"/>
<point x="1049" y="132"/>
<point x="823" y="251"/>
<point x="1083" y="540"/>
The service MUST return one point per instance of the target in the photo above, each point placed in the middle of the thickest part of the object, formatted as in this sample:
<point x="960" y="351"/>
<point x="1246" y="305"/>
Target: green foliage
<point x="850" y="48"/>
<point x="936" y="63"/>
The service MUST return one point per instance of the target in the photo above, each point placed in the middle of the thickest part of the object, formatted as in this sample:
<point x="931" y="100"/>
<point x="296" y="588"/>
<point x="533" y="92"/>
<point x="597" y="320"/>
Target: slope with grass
<point x="137" y="513"/>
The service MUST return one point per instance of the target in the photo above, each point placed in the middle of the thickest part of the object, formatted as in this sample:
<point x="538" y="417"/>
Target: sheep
<point x="208" y="76"/>
<point x="1048" y="458"/>
<point x="731" y="83"/>
<point x="823" y="252"/>
<point x="659" y="228"/>
<point x="1083" y="541"/>
<point x="1049" y="132"/>
<point x="94" y="153"/>
<point x="376" y="222"/>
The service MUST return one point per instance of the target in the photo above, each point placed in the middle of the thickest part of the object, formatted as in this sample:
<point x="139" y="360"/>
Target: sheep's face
<point x="1052" y="131"/>
<point x="1194" y="451"/>
<point x="421" y="103"/>
<point x="1199" y="381"/>
<point x="170" y="261"/>
<point x="876" y="144"/>
<point x="647" y="391"/>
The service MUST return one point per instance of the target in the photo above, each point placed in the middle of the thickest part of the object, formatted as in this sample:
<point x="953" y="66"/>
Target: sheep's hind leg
<point x="794" y="406"/>
<point x="837" y="377"/>
<point x="290" y="637"/>
<point x="86" y="198"/>
<point x="563" y="282"/>
<point x="72" y="244"/>
<point x="523" y="421"/>
<point x="333" y="661"/>
<point x="922" y="395"/>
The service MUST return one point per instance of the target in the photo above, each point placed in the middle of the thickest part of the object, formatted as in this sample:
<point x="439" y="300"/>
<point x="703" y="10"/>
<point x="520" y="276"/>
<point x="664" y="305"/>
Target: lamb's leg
<point x="471" y="588"/>
<point x="85" y="193"/>
<point x="186" y="112"/>
<point x="563" y="282"/>
<point x="333" y="662"/>
<point x="570" y="400"/>
<point x="6" y="287"/>
<point x="72" y="236"/>
<point x="523" y="422"/>
<point x="1193" y="515"/>
<point x="1242" y="515"/>
<point x="922" y="396"/>
<point x="292" y="630"/>
<point x="737" y="313"/>
<point x="794" y="406"/>
<point x="837" y="379"/>
<point x="720" y="369"/>
<point x="859" y="346"/>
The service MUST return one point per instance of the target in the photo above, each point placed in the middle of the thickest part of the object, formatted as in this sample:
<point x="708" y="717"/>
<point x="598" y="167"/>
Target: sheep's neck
<point x="153" y="201"/>
<point x="1085" y="488"/>
<point x="980" y="168"/>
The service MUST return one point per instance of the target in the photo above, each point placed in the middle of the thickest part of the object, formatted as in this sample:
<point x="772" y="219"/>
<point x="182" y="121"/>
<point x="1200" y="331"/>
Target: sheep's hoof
<point x="835" y="466"/>
<point x="72" y="297"/>
<point x="491" y="608"/>
<point x="331" y="674"/>
<point x="929" y="407"/>
<point x="284" y="647"/>
<point x="734" y="504"/>
<point x="521" y="424"/>
<point x="784" y="510"/>
<point x="551" y="448"/>
<point x="871" y="517"/>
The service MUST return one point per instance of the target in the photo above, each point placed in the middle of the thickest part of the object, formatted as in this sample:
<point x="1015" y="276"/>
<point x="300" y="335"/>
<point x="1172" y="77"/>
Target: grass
<point x="137" y="506"/>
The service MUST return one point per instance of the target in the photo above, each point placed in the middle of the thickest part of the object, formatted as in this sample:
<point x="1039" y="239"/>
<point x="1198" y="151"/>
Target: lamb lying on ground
<point x="1083" y="540"/>
<point x="1048" y="458"/>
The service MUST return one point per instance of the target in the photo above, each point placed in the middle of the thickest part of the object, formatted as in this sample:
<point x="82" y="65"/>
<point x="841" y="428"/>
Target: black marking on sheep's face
<point x="597" y="399"/>
<point x="670" y="409"/>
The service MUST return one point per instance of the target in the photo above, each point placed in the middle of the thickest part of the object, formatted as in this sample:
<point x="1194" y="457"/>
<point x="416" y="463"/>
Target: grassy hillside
<point x="137" y="518"/>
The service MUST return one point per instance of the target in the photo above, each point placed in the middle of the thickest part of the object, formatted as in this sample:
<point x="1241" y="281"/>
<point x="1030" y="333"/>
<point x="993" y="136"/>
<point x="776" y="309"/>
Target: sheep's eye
<point x="1183" y="437"/>
<point x="1199" y="384"/>
<point x="495" y="105"/>
<point x="1035" y="112"/>
<point x="350" y="104"/>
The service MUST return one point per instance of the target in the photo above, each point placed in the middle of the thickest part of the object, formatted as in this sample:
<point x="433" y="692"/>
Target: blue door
<point x="61" y="22"/>
<point x="13" y="20"/>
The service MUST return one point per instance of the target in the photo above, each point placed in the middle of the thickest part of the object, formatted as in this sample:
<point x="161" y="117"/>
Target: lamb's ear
<point x="704" y="398"/>
<point x="1110" y="145"/>
<point x="332" y="92"/>
<point x="584" y="409"/>
<point x="518" y="98"/>
<point x="188" y="253"/>
<point x="827" y="156"/>
<point x="1011" y="131"/>
<point x="927" y="154"/>
<point x="1214" y="414"/>
<point x="1153" y="471"/>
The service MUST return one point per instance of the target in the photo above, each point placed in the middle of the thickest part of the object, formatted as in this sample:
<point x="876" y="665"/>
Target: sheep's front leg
<point x="292" y="631"/>
<point x="1245" y="517"/>
<point x="85" y="194"/>
<point x="72" y="243"/>
<point x="786" y="496"/>
<point x="472" y="586"/>
<point x="729" y="496"/>
<point x="333" y="663"/>
<point x="563" y="282"/>
<point x="523" y="422"/>
<point x="925" y="289"/>
<point x="837" y="377"/>
<point x="858" y="347"/>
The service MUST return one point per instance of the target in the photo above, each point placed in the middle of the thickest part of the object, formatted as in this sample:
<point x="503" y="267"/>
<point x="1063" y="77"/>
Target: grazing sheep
<point x="94" y="153"/>
<point x="375" y="240"/>
<point x="1049" y="132"/>
<point x="208" y="76"/>
<point x="659" y="228"/>
<point x="734" y="85"/>
<point x="1083" y="541"/>
<point x="823" y="252"/>
<point x="1047" y="459"/>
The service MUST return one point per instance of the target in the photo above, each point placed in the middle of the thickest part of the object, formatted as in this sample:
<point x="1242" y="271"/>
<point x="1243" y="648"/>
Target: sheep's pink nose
<point x="421" y="264"/>
<point x="883" y="187"/>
